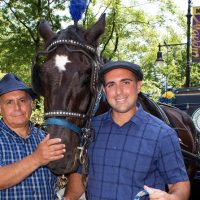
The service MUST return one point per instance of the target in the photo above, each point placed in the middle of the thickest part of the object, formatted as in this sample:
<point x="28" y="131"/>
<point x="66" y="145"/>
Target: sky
<point x="153" y="9"/>
<point x="181" y="4"/>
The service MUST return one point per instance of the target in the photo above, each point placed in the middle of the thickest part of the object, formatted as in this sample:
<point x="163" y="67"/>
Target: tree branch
<point x="111" y="34"/>
<point x="23" y="23"/>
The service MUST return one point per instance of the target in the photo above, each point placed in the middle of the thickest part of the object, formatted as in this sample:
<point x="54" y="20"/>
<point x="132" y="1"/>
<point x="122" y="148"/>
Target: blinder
<point x="36" y="79"/>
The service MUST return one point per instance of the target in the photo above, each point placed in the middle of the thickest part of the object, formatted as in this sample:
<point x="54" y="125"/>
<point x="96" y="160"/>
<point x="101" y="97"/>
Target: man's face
<point x="121" y="88"/>
<point x="16" y="108"/>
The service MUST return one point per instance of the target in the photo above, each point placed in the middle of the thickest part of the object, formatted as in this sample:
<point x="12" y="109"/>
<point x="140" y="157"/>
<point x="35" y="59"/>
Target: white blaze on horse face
<point x="61" y="61"/>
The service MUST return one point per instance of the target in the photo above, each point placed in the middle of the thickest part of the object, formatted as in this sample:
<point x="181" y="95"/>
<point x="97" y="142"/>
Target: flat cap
<point x="136" y="69"/>
<point x="10" y="83"/>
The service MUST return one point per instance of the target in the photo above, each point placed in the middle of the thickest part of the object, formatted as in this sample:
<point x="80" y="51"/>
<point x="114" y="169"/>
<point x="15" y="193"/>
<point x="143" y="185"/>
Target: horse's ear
<point x="45" y="30"/>
<point x="96" y="30"/>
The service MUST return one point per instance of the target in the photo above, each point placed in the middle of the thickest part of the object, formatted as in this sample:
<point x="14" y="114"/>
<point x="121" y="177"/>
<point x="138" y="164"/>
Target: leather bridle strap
<point x="64" y="124"/>
<point x="52" y="116"/>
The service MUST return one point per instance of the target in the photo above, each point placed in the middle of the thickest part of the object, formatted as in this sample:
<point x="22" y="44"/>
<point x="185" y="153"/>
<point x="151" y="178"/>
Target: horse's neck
<point x="153" y="108"/>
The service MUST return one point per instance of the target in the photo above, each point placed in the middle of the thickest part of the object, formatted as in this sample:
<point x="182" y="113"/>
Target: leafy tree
<point x="20" y="39"/>
<point x="132" y="34"/>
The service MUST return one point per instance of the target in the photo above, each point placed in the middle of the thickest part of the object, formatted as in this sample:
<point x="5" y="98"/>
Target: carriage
<point x="187" y="99"/>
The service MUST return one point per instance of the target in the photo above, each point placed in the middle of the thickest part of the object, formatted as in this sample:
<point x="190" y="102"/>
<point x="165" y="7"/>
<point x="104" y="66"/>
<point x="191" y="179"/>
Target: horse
<point x="67" y="78"/>
<point x="68" y="81"/>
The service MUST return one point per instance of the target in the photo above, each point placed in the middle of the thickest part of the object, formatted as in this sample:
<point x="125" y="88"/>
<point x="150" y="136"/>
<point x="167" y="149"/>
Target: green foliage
<point x="2" y="75"/>
<point x="132" y="34"/>
<point x="38" y="112"/>
<point x="152" y="89"/>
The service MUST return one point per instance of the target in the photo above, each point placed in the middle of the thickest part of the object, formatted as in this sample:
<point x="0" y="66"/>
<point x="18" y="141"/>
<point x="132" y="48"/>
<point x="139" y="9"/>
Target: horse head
<point x="67" y="79"/>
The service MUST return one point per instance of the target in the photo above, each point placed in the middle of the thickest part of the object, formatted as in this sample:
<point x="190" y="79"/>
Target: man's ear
<point x="32" y="104"/>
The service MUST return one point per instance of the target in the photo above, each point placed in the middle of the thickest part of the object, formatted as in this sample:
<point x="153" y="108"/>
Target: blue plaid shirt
<point x="144" y="151"/>
<point x="40" y="185"/>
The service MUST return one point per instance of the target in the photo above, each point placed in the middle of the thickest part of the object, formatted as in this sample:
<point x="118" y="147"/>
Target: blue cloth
<point x="10" y="83"/>
<point x="40" y="185"/>
<point x="144" y="151"/>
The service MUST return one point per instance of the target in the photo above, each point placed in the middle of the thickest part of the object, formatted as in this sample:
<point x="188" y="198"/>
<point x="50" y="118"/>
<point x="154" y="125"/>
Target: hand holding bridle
<point x="49" y="150"/>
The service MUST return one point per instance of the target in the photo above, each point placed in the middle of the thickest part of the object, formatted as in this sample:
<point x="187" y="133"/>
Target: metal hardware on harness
<point x="82" y="154"/>
<point x="61" y="113"/>
<point x="71" y="42"/>
<point x="98" y="99"/>
<point x="87" y="136"/>
<point x="83" y="159"/>
<point x="61" y="182"/>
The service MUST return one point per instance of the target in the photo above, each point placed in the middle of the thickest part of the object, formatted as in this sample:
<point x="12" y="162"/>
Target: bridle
<point x="54" y="117"/>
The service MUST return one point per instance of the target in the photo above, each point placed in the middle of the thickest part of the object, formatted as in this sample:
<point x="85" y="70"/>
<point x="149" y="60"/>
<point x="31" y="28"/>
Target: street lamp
<point x="187" y="70"/>
<point x="159" y="59"/>
<point x="159" y="54"/>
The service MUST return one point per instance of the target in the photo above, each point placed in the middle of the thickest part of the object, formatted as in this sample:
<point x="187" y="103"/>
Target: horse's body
<point x="184" y="127"/>
<point x="68" y="81"/>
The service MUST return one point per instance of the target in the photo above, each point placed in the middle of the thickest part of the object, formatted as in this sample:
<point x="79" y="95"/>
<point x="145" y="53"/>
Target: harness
<point x="54" y="117"/>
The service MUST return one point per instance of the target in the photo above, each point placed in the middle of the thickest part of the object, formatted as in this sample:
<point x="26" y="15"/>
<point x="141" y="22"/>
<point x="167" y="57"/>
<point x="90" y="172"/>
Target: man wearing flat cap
<point x="134" y="153"/>
<point x="24" y="149"/>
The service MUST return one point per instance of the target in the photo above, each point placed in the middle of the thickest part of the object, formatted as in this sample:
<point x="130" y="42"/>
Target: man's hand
<point x="157" y="194"/>
<point x="177" y="191"/>
<point x="49" y="150"/>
